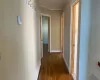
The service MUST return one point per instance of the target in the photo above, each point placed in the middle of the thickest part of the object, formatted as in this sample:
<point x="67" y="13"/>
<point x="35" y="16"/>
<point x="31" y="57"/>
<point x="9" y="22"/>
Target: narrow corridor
<point x="53" y="67"/>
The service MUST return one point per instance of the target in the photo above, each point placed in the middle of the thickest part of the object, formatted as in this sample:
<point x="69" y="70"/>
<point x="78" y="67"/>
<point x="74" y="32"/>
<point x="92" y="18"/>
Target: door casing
<point x="49" y="32"/>
<point x="62" y="33"/>
<point x="72" y="31"/>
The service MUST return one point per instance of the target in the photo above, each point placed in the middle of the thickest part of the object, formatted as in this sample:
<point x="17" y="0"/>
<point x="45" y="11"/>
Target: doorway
<point x="74" y="40"/>
<point x="62" y="33"/>
<point x="45" y="34"/>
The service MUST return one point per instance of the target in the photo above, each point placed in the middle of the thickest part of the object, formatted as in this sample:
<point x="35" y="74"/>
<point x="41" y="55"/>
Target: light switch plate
<point x="19" y="20"/>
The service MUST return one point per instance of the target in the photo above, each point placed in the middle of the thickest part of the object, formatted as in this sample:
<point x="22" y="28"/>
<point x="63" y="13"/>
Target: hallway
<point x="53" y="67"/>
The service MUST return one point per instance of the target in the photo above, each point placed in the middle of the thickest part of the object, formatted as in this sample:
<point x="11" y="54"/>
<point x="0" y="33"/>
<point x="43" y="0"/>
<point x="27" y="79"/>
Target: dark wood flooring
<point x="53" y="68"/>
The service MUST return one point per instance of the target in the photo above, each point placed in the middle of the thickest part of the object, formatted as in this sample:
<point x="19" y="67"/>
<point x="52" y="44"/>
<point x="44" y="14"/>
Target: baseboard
<point x="67" y="65"/>
<point x="74" y="76"/>
<point x="55" y="51"/>
<point x="36" y="73"/>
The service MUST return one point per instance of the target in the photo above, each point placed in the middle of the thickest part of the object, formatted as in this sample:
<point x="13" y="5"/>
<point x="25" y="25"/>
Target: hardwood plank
<point x="53" y="68"/>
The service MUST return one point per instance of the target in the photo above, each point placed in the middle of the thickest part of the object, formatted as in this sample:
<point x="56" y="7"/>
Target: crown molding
<point x="50" y="9"/>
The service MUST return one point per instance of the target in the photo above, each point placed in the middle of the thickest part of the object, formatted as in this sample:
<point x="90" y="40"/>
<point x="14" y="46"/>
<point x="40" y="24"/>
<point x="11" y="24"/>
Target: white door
<point x="74" y="40"/>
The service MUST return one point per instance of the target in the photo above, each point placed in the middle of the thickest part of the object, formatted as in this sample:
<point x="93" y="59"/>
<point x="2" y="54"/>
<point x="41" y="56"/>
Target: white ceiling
<point x="53" y="4"/>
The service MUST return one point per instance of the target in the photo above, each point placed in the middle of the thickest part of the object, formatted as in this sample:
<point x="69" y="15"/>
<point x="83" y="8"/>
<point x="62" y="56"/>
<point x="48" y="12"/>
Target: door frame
<point x="72" y="24"/>
<point x="62" y="33"/>
<point x="49" y="32"/>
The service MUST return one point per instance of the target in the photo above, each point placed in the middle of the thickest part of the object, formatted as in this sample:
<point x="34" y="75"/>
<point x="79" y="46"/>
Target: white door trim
<point x="75" y="76"/>
<point x="42" y="14"/>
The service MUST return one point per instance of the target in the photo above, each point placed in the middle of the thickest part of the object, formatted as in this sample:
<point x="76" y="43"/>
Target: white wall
<point x="20" y="55"/>
<point x="67" y="15"/>
<point x="84" y="37"/>
<point x="1" y="41"/>
<point x="94" y="41"/>
<point x="55" y="27"/>
<point x="85" y="25"/>
<point x="89" y="40"/>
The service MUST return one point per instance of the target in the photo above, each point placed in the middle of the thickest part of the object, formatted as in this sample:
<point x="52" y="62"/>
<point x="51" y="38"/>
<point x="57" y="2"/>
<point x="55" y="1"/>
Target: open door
<point x="62" y="33"/>
<point x="74" y="40"/>
<point x="45" y="34"/>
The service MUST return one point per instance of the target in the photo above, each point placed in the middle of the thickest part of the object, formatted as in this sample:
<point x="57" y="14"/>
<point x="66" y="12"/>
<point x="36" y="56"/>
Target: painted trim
<point x="49" y="8"/>
<point x="36" y="72"/>
<point x="67" y="65"/>
<point x="74" y="76"/>
<point x="70" y="37"/>
<point x="55" y="51"/>
<point x="78" y="49"/>
<point x="45" y="14"/>
<point x="73" y="4"/>
<point x="62" y="33"/>
<point x="42" y="14"/>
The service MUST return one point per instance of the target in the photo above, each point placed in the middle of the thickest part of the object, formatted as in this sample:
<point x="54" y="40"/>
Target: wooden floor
<point x="53" y="68"/>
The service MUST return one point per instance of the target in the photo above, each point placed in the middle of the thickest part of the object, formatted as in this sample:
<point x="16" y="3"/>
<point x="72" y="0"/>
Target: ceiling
<point x="53" y="4"/>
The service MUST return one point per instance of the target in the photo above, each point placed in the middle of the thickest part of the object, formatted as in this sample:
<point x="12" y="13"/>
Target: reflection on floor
<point x="45" y="49"/>
<point x="53" y="68"/>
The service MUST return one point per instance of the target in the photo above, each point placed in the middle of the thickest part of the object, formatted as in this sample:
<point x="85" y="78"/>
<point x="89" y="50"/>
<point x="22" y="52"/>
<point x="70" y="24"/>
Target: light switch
<point x="19" y="20"/>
